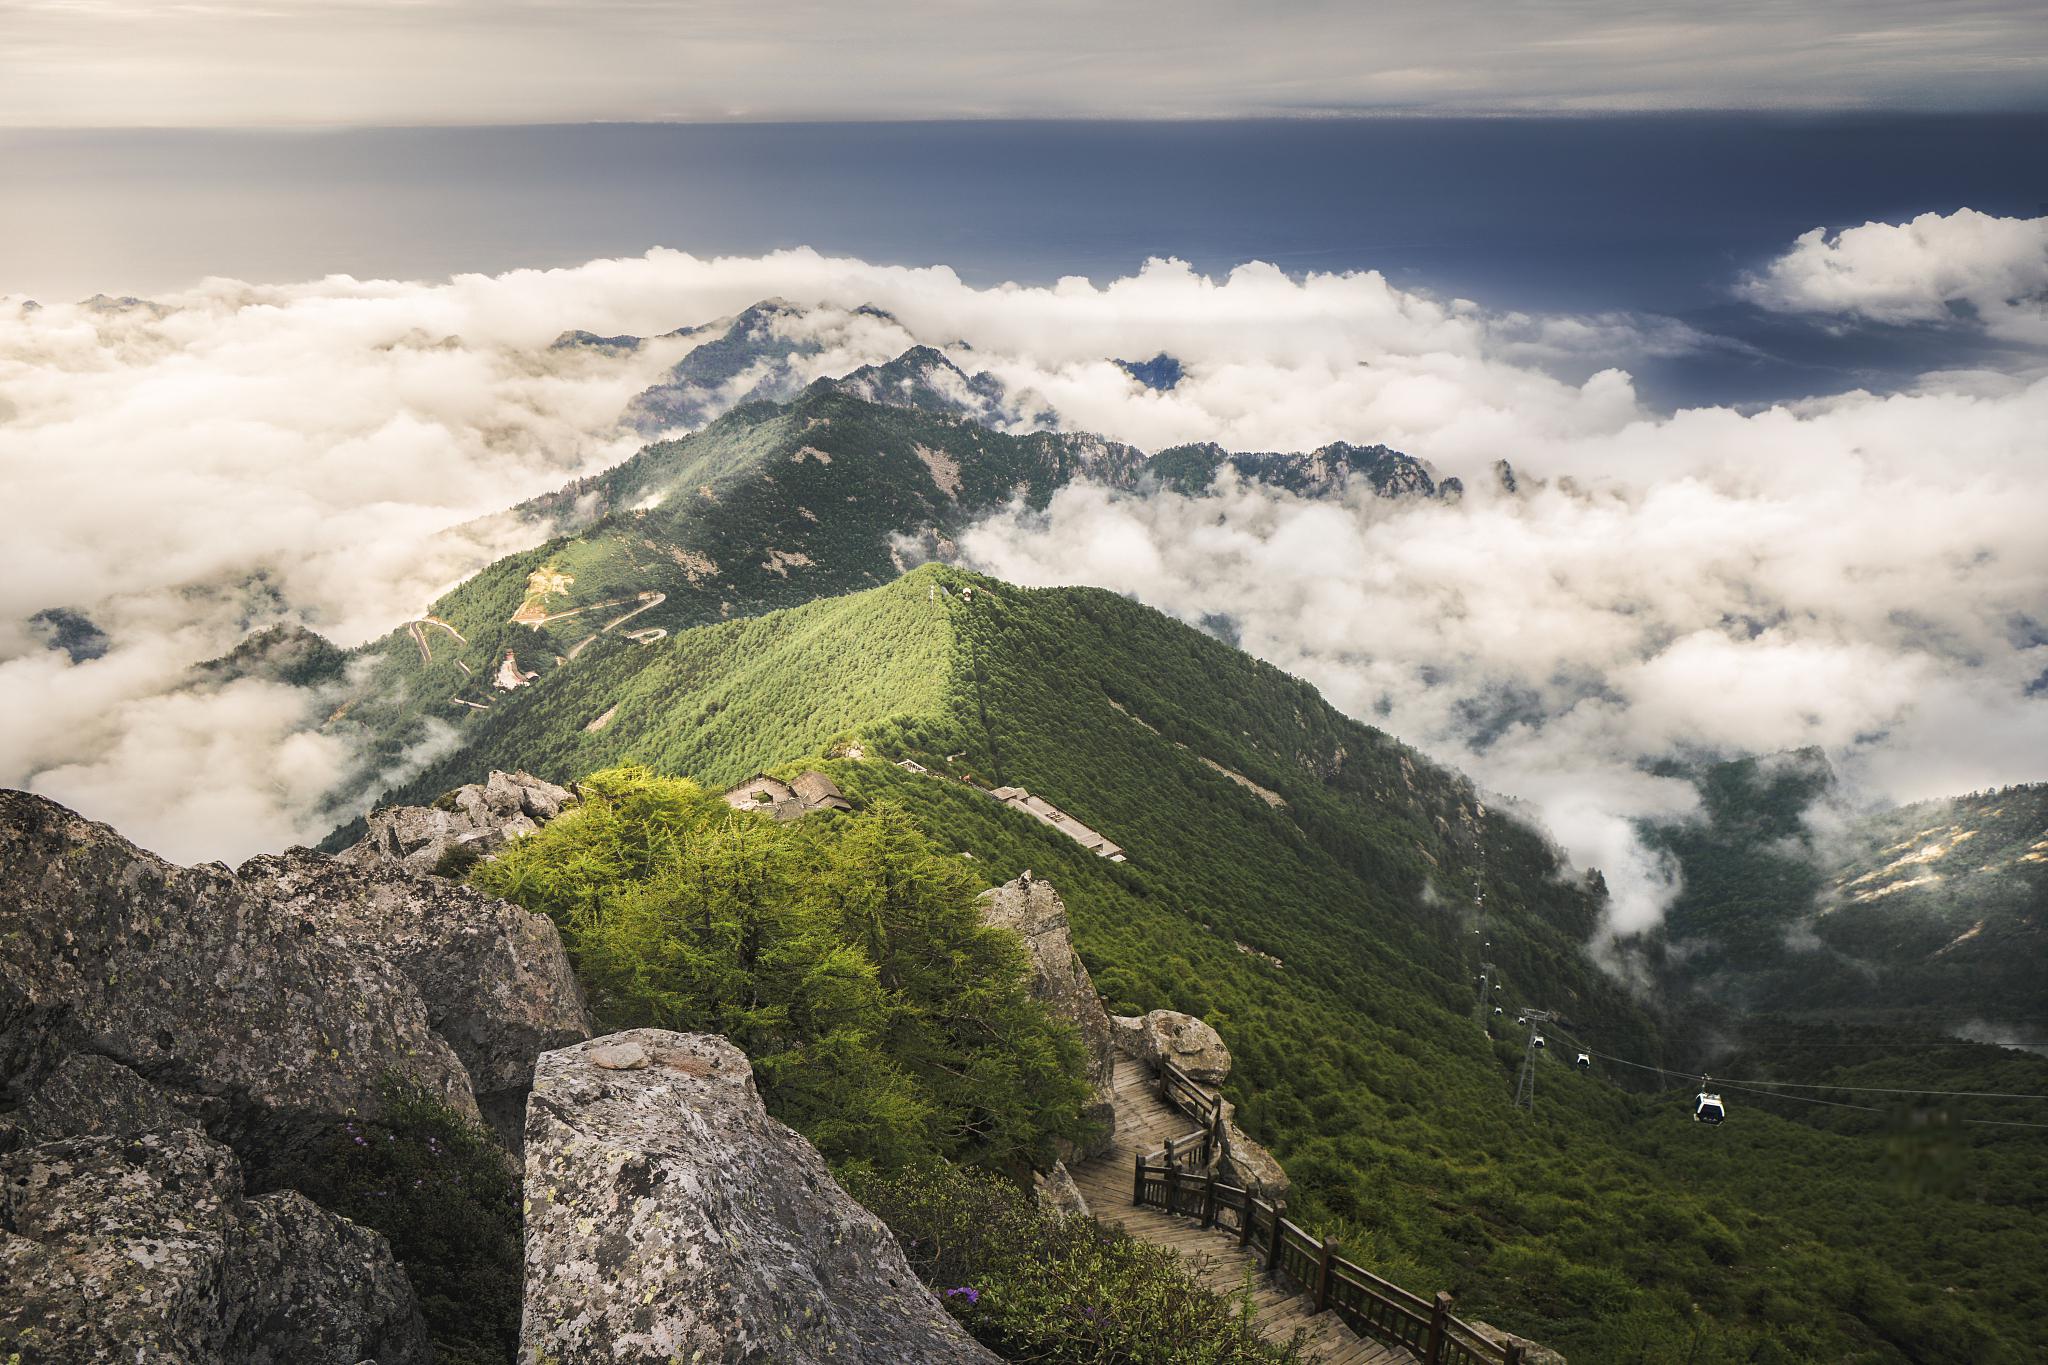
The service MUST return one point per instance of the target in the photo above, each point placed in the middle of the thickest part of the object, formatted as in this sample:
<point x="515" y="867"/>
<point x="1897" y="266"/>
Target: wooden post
<point x="1209" y="1202"/>
<point x="1138" y="1179"/>
<point x="1218" y="1145"/>
<point x="1172" y="1186"/>
<point x="1273" y="1246"/>
<point x="1511" y="1354"/>
<point x="1439" y="1322"/>
<point x="1323" y="1274"/>
<point x="1244" y="1219"/>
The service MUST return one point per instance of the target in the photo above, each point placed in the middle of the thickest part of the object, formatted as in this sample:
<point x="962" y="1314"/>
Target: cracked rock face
<point x="145" y="1248"/>
<point x="268" y="1000"/>
<point x="494" y="979"/>
<point x="194" y="979"/>
<point x="668" y="1217"/>
<point x="471" y="822"/>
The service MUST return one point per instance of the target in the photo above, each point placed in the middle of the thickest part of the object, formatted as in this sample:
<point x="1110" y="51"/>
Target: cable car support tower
<point x="1525" y="1079"/>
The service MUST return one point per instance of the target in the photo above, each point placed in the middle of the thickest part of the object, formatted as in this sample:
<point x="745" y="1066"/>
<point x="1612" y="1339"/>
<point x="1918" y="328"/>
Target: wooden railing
<point x="1180" y="1179"/>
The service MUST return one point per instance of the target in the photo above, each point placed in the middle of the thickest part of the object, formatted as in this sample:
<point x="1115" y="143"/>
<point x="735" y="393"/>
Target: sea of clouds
<point x="1863" y="572"/>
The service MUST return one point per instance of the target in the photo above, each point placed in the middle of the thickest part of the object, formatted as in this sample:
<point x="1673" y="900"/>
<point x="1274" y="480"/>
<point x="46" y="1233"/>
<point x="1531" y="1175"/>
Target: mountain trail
<point x="1144" y="1122"/>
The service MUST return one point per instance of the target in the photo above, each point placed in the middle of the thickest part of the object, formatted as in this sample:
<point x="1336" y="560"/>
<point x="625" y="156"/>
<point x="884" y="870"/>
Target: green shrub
<point x="846" y="957"/>
<point x="1062" y="1290"/>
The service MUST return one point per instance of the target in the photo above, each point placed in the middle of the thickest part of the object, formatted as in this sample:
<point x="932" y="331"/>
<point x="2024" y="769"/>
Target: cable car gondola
<point x="1498" y="1010"/>
<point x="1707" y="1108"/>
<point x="1584" y="1063"/>
<point x="1536" y="1040"/>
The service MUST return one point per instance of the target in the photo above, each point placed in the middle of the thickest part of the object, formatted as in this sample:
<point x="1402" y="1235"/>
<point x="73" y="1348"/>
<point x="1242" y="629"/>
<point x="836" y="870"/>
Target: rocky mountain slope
<point x="188" y="1050"/>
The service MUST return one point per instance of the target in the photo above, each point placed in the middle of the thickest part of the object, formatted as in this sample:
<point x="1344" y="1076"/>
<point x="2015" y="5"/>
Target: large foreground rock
<point x="266" y="1002"/>
<point x="471" y="822"/>
<point x="670" y="1218"/>
<point x="1030" y="907"/>
<point x="145" y="1249"/>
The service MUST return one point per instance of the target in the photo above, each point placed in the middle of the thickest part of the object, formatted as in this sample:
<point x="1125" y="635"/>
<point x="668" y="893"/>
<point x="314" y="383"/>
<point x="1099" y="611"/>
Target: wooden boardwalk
<point x="1143" y="1124"/>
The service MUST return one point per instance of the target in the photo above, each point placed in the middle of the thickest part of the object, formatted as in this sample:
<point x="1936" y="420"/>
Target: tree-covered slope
<point x="1304" y="882"/>
<point x="1931" y="917"/>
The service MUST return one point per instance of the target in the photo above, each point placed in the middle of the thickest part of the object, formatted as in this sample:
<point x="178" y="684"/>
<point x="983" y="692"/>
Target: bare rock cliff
<point x="268" y="1000"/>
<point x="1031" y="908"/>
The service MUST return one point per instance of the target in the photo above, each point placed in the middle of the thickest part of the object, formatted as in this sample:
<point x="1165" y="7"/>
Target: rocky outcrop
<point x="1532" y="1353"/>
<point x="469" y="823"/>
<point x="495" y="979"/>
<point x="92" y="1096"/>
<point x="1168" y="1035"/>
<point x="267" y="1001"/>
<point x="194" y="979"/>
<point x="670" y="1218"/>
<point x="1030" y="907"/>
<point x="145" y="1248"/>
<point x="1057" y="1193"/>
<point x="1198" y="1050"/>
<point x="1247" y="1162"/>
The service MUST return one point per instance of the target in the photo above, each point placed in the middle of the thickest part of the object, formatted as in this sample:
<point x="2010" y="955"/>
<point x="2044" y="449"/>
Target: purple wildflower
<point x="967" y="1292"/>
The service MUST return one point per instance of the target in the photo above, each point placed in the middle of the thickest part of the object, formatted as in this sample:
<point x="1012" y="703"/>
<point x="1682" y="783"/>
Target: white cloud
<point x="1848" y="571"/>
<point x="1963" y="267"/>
<point x="1847" y="575"/>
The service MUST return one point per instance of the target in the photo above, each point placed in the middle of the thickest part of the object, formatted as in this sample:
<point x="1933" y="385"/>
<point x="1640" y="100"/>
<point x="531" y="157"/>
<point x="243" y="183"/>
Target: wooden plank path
<point x="1144" y="1123"/>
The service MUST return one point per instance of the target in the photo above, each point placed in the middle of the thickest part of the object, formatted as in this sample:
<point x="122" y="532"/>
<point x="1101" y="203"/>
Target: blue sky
<point x="298" y="62"/>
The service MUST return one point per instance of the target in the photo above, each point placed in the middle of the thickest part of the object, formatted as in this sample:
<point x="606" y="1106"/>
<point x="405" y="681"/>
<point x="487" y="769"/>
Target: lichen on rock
<point x="668" y="1217"/>
<point x="145" y="1248"/>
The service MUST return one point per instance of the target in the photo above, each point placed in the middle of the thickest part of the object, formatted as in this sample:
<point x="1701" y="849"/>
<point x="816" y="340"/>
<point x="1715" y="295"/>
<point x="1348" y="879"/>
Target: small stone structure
<point x="810" y="793"/>
<point x="1041" y="809"/>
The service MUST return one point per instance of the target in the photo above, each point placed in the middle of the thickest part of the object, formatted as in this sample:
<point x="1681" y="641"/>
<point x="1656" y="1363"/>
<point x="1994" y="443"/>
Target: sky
<point x="241" y="63"/>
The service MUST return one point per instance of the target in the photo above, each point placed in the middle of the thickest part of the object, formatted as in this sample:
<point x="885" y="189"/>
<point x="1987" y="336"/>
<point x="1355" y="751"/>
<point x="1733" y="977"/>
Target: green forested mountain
<point x="1304" y="883"/>
<point x="735" y="600"/>
<point x="1930" y="917"/>
<point x="769" y="506"/>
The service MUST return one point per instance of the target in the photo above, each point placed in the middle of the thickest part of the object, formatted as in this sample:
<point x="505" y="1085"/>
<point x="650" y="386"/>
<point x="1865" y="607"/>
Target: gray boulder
<point x="670" y="1218"/>
<point x="145" y="1248"/>
<point x="1246" y="1162"/>
<point x="1030" y="907"/>
<point x="267" y="1002"/>
<point x="472" y="822"/>
<point x="1532" y="1353"/>
<point x="1057" y="1193"/>
<point x="1187" y="1042"/>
